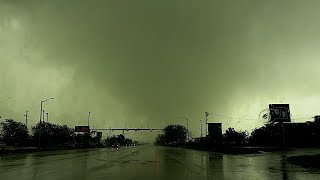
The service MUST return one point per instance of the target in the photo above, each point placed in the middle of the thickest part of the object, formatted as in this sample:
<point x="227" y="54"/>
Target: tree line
<point x="177" y="134"/>
<point x="16" y="134"/>
<point x="293" y="135"/>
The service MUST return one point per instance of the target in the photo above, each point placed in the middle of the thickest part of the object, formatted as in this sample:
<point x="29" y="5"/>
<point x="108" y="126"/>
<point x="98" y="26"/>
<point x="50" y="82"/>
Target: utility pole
<point x="89" y="120"/>
<point x="89" y="126"/>
<point x="26" y="115"/>
<point x="124" y="128"/>
<point x="188" y="137"/>
<point x="47" y="117"/>
<point x="41" y="111"/>
<point x="200" y="128"/>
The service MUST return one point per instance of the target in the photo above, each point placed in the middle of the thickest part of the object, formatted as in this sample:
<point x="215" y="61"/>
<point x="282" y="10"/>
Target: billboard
<point x="279" y="113"/>
<point x="82" y="129"/>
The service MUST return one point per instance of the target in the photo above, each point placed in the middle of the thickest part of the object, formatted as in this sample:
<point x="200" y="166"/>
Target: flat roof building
<point x="215" y="132"/>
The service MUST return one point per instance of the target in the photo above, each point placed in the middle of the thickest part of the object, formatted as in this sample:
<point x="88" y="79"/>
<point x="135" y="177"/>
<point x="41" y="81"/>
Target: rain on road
<point x="150" y="162"/>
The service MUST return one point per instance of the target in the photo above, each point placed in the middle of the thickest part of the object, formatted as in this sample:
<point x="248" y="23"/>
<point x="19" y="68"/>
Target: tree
<point x="14" y="132"/>
<point x="175" y="134"/>
<point x="234" y="137"/>
<point x="119" y="139"/>
<point x="160" y="140"/>
<point x="52" y="134"/>
<point x="267" y="135"/>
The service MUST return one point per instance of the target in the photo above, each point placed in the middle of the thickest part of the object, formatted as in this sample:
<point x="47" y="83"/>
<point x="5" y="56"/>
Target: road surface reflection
<point x="151" y="162"/>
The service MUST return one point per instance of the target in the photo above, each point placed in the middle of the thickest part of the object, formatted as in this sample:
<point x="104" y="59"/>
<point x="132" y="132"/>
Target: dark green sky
<point x="151" y="61"/>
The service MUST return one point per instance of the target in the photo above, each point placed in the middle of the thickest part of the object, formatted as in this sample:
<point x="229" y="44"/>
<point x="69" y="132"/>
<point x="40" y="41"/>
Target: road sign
<point x="279" y="113"/>
<point x="82" y="129"/>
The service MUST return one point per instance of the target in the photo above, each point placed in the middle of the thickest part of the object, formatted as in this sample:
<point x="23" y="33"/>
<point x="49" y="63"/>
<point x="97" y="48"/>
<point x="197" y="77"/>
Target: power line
<point x="231" y="117"/>
<point x="302" y="118"/>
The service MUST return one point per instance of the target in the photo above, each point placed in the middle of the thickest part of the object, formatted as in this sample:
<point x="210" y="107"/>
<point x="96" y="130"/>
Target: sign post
<point x="280" y="113"/>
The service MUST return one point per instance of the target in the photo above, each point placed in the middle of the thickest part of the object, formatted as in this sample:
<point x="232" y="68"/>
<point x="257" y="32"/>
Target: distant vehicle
<point x="115" y="146"/>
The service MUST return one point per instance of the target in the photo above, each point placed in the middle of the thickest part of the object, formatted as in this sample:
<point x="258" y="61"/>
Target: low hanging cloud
<point x="152" y="61"/>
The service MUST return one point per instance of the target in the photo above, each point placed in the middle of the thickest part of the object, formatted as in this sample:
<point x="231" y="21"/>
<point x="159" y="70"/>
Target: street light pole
<point x="207" y="114"/>
<point x="40" y="125"/>
<point x="43" y="118"/>
<point x="41" y="111"/>
<point x="26" y="115"/>
<point x="89" y="120"/>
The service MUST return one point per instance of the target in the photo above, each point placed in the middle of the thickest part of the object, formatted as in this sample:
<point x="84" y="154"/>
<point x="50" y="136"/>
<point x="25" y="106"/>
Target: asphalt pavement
<point x="151" y="162"/>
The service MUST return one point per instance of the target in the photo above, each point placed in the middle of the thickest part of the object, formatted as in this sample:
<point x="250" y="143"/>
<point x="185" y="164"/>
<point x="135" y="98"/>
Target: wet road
<point x="150" y="162"/>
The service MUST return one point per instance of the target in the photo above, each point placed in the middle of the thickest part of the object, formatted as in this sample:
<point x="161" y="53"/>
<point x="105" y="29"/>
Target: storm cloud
<point x="145" y="61"/>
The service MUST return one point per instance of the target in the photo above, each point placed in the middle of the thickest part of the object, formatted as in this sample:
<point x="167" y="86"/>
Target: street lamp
<point x="207" y="114"/>
<point x="43" y="118"/>
<point x="41" y="106"/>
<point x="26" y="115"/>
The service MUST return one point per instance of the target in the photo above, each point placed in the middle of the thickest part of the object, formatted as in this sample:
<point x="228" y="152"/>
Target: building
<point x="215" y="133"/>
